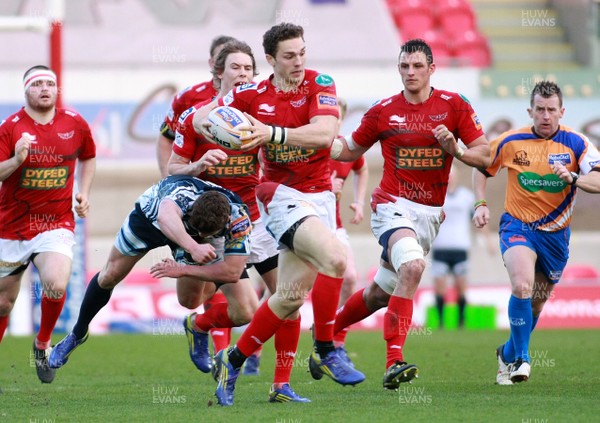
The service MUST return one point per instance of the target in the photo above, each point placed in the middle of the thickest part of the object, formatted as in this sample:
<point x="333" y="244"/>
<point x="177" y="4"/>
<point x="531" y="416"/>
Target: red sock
<point x="396" y="323"/>
<point x="3" y="326"/>
<point x="258" y="351"/>
<point x="215" y="317"/>
<point x="263" y="326"/>
<point x="217" y="298"/>
<point x="51" y="309"/>
<point x="325" y="298"/>
<point x="286" y="344"/>
<point x="353" y="311"/>
<point x="221" y="338"/>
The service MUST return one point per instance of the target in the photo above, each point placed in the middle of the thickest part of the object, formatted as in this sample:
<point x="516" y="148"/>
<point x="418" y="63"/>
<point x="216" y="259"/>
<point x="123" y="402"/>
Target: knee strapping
<point x="405" y="250"/>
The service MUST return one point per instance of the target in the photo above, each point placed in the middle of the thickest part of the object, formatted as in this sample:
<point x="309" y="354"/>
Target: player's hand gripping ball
<point x="226" y="122"/>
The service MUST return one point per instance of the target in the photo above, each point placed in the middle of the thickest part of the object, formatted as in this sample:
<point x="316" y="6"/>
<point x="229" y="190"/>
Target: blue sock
<point x="521" y="324"/>
<point x="509" y="347"/>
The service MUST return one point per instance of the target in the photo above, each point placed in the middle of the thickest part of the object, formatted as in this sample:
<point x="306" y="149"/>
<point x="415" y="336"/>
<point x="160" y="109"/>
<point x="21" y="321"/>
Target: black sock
<point x="94" y="299"/>
<point x="439" y="305"/>
<point x="324" y="348"/>
<point x="236" y="358"/>
<point x="462" y="302"/>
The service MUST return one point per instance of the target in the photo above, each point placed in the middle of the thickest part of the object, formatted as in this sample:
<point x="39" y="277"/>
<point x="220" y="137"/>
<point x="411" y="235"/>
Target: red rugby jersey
<point x="185" y="99"/>
<point x="304" y="169"/>
<point x="239" y="173"/>
<point x="38" y="195"/>
<point x="416" y="167"/>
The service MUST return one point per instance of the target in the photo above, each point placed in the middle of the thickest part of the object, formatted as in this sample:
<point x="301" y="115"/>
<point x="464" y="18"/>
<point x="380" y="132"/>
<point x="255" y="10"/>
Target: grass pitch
<point x="146" y="378"/>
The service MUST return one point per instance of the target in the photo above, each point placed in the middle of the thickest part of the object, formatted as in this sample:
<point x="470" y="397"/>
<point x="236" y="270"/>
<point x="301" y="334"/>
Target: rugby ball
<point x="225" y="122"/>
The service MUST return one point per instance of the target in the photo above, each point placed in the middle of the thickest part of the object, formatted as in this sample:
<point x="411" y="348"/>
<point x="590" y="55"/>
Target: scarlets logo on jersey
<point x="327" y="101"/>
<point x="240" y="227"/>
<point x="421" y="158"/>
<point x="299" y="103"/>
<point x="533" y="182"/>
<point x="563" y="158"/>
<point x="65" y="135"/>
<point x="438" y="118"/>
<point x="234" y="167"/>
<point x="46" y="178"/>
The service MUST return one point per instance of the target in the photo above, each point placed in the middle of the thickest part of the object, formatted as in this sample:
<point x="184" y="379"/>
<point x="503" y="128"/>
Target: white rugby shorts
<point x="424" y="220"/>
<point x="288" y="206"/>
<point x="262" y="244"/>
<point x="15" y="253"/>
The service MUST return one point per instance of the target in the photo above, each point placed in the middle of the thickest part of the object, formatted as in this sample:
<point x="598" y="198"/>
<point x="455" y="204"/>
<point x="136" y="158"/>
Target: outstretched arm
<point x="227" y="270"/>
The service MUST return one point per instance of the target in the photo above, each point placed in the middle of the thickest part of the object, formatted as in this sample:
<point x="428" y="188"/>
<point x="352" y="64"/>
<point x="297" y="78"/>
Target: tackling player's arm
<point x="171" y="225"/>
<point x="227" y="270"/>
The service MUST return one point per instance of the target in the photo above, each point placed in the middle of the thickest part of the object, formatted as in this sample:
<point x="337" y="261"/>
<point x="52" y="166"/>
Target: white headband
<point x="38" y="75"/>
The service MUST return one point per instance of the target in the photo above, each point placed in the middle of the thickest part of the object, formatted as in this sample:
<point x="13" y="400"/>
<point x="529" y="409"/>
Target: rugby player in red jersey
<point x="238" y="171"/>
<point x="418" y="131"/>
<point x="293" y="114"/>
<point x="40" y="148"/>
<point x="186" y="98"/>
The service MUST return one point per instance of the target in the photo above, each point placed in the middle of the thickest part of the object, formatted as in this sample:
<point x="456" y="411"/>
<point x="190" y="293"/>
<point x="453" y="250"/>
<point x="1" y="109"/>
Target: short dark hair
<point x="546" y="89"/>
<point x="34" y="68"/>
<point x="219" y="41"/>
<point x="231" y="47"/>
<point x="417" y="45"/>
<point x="210" y="212"/>
<point x="281" y="32"/>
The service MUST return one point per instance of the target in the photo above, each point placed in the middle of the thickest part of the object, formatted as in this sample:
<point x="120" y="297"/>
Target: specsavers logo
<point x="533" y="182"/>
<point x="49" y="178"/>
<point x="419" y="158"/>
